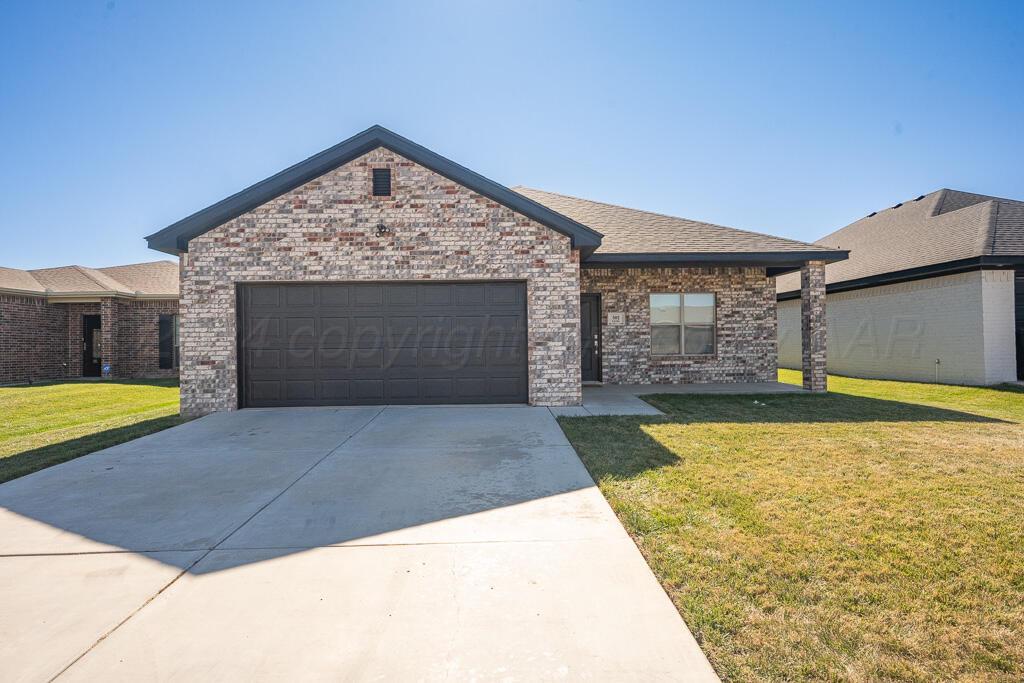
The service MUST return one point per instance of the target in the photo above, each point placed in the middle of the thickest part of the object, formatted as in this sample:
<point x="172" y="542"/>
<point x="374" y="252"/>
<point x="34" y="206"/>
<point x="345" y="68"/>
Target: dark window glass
<point x="168" y="336"/>
<point x="382" y="182"/>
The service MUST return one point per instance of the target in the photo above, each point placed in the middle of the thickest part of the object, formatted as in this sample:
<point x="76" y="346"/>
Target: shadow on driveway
<point x="292" y="479"/>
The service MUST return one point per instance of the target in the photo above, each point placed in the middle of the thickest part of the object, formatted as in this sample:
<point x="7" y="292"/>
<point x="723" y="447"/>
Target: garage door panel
<point x="502" y="294"/>
<point x="368" y="358"/>
<point x="265" y="359"/>
<point x="364" y="343"/>
<point x="300" y="331"/>
<point x="335" y="390"/>
<point x="436" y="296"/>
<point x="367" y="389"/>
<point x="364" y="296"/>
<point x="260" y="296"/>
<point x="300" y="295"/>
<point x="470" y="295"/>
<point x="300" y="358"/>
<point x="367" y="332"/>
<point x="300" y="390"/>
<point x="402" y="295"/>
<point x="403" y="358"/>
<point x="334" y="295"/>
<point x="335" y="333"/>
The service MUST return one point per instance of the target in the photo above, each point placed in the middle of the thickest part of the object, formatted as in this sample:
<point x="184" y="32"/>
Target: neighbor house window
<point x="168" y="336"/>
<point x="682" y="324"/>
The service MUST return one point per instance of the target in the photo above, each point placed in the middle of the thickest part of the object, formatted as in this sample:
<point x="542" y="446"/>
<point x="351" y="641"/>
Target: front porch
<point x="624" y="399"/>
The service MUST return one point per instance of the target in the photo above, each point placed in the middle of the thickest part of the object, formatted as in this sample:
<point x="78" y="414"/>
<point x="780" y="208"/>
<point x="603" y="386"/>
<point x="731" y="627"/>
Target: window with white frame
<point x="682" y="324"/>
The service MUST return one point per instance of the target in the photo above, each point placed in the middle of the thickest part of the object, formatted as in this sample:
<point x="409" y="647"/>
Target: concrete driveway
<point x="419" y="543"/>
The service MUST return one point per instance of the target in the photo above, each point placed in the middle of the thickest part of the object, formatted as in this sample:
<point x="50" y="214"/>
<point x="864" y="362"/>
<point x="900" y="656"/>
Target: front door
<point x="590" y="332"/>
<point x="92" y="349"/>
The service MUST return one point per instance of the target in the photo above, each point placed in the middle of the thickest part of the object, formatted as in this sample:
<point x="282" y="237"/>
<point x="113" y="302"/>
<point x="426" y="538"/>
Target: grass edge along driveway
<point x="47" y="424"/>
<point x="874" y="533"/>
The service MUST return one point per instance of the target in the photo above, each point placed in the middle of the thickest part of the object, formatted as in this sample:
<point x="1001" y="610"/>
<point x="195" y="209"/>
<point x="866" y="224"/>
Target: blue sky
<point x="120" y="117"/>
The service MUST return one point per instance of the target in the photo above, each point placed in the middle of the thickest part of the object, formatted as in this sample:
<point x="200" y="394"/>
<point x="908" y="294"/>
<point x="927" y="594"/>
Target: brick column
<point x="813" y="330"/>
<point x="108" y="334"/>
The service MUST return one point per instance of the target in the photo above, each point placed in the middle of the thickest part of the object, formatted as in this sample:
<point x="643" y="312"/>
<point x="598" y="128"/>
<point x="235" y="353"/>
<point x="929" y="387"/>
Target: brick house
<point x="933" y="291"/>
<point x="380" y="272"/>
<point x="68" y="322"/>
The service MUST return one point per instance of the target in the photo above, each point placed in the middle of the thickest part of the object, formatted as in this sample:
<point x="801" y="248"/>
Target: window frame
<point x="682" y="325"/>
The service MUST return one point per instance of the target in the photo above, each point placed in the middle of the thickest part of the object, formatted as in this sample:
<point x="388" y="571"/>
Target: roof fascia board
<point x="174" y="238"/>
<point x="920" y="273"/>
<point x="792" y="259"/>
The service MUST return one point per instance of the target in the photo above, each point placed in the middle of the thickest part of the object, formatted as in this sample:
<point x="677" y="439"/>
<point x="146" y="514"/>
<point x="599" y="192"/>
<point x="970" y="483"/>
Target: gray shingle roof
<point x="154" y="279"/>
<point x="945" y="225"/>
<point x="632" y="231"/>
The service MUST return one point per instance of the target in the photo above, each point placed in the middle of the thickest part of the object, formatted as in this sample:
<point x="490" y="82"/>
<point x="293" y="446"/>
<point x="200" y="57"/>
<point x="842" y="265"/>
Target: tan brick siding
<point x="326" y="231"/>
<point x="745" y="324"/>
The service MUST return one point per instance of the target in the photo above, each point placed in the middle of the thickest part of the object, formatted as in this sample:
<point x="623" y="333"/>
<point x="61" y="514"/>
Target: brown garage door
<point x="374" y="343"/>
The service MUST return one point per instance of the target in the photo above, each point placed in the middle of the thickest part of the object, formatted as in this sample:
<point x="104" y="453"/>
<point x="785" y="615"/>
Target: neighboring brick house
<point x="380" y="272"/>
<point x="933" y="291"/>
<point x="60" y="323"/>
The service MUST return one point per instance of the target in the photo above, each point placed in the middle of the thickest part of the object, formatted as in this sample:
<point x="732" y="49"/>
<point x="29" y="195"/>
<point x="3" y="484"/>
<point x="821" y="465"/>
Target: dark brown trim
<point x="921" y="273"/>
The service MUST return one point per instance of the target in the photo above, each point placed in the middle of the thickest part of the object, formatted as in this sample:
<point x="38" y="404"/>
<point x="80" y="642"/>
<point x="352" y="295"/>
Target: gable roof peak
<point x="174" y="238"/>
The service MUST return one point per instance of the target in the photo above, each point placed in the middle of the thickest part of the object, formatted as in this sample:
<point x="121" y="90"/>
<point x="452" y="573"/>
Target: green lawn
<point x="874" y="533"/>
<point x="46" y="424"/>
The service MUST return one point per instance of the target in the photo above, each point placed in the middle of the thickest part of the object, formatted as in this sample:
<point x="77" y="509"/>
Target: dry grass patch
<point x="873" y="533"/>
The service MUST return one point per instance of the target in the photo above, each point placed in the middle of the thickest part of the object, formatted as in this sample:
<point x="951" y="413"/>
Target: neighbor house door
<point x="590" y="333"/>
<point x="92" y="349"/>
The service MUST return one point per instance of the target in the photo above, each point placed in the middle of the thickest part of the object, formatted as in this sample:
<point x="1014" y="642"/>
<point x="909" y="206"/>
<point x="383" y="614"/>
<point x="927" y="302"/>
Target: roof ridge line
<point x="84" y="271"/>
<point x="989" y="246"/>
<point x="140" y="263"/>
<point x="677" y="218"/>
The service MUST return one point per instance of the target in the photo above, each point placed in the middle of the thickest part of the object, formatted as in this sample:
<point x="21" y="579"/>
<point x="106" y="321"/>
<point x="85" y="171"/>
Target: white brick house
<point x="932" y="292"/>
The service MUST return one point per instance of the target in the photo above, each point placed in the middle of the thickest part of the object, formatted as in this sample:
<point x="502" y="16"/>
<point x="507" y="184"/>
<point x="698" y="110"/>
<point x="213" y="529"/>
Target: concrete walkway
<point x="421" y="543"/>
<point x="624" y="399"/>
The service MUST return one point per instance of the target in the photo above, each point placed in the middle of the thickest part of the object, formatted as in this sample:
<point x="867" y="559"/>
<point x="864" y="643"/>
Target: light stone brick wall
<point x="745" y="349"/>
<point x="813" y="326"/>
<point x="965" y="321"/>
<point x="326" y="230"/>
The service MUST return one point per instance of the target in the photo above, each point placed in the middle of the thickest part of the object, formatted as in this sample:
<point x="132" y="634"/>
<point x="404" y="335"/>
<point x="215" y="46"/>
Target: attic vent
<point x="919" y="198"/>
<point x="898" y="205"/>
<point x="872" y="214"/>
<point x="382" y="182"/>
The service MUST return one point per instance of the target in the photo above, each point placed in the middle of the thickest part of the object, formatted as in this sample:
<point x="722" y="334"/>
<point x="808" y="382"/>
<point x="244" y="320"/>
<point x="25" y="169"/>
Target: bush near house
<point x="874" y="533"/>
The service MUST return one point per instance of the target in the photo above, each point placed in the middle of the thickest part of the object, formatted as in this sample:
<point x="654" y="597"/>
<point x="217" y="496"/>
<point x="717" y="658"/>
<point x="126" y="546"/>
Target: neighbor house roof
<point x="643" y="236"/>
<point x="153" y="280"/>
<point x="915" y="237"/>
